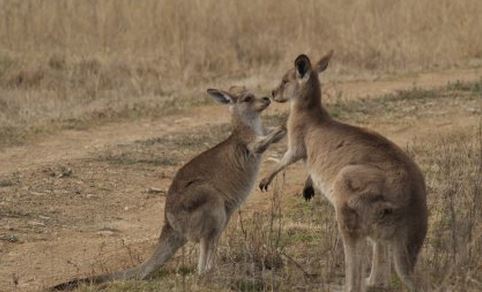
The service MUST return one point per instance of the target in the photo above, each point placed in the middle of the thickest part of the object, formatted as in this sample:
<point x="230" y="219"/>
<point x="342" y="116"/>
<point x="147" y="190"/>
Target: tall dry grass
<point x="68" y="63"/>
<point x="220" y="37"/>
<point x="452" y="165"/>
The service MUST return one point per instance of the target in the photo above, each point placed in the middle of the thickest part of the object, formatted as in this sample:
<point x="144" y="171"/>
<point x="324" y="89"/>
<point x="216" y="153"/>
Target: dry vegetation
<point x="70" y="64"/>
<point x="283" y="243"/>
<point x="75" y="64"/>
<point x="294" y="245"/>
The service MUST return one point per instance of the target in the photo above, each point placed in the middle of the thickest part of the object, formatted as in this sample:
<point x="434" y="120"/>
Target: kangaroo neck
<point x="308" y="106"/>
<point x="246" y="130"/>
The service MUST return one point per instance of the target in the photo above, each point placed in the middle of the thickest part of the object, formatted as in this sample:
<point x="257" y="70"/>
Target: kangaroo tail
<point x="169" y="242"/>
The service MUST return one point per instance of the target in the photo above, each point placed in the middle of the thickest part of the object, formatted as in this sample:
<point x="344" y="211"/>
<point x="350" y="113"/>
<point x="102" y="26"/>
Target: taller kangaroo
<point x="208" y="189"/>
<point x="378" y="192"/>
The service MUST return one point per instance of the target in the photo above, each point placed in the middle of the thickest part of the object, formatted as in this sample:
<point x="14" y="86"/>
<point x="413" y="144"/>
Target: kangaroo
<point x="377" y="191"/>
<point x="208" y="189"/>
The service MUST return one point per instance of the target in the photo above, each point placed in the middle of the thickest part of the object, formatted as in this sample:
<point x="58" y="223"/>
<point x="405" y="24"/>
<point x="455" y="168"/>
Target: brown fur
<point x="208" y="189"/>
<point x="378" y="192"/>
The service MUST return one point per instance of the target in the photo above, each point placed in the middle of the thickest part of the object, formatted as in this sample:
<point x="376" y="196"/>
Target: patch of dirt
<point x="426" y="80"/>
<point x="78" y="202"/>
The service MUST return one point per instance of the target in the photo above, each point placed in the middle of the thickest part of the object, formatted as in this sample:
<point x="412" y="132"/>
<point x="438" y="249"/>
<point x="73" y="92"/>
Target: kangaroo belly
<point x="245" y="184"/>
<point x="244" y="192"/>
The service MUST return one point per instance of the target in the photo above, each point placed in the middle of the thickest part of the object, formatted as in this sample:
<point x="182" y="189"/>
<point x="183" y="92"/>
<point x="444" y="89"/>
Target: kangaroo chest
<point x="322" y="171"/>
<point x="323" y="185"/>
<point x="241" y="187"/>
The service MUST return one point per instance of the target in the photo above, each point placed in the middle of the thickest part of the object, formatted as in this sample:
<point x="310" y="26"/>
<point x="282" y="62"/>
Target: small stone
<point x="65" y="172"/>
<point x="153" y="190"/>
<point x="106" y="233"/>
<point x="36" y="223"/>
<point x="10" y="238"/>
<point x="473" y="110"/>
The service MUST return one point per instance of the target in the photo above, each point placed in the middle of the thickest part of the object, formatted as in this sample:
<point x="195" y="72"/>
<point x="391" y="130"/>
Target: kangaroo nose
<point x="266" y="98"/>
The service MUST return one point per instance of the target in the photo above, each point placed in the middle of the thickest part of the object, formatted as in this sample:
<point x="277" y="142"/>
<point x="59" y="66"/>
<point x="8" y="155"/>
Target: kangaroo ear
<point x="221" y="96"/>
<point x="302" y="66"/>
<point x="323" y="62"/>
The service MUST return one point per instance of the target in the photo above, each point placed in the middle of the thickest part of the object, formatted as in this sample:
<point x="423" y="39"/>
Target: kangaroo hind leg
<point x="353" y="247"/>
<point x="381" y="266"/>
<point x="405" y="257"/>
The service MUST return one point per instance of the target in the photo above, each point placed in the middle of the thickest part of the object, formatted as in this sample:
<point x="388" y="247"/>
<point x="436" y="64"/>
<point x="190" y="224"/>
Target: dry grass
<point x="409" y="105"/>
<point x="73" y="64"/>
<point x="287" y="244"/>
<point x="223" y="37"/>
<point x="453" y="167"/>
<point x="70" y="64"/>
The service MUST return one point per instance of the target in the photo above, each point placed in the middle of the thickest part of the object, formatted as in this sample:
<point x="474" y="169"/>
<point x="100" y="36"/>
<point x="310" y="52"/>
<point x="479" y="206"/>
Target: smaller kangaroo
<point x="378" y="192"/>
<point x="208" y="189"/>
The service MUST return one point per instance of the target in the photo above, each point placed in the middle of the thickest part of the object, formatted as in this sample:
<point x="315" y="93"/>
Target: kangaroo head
<point x="244" y="105"/>
<point x="300" y="80"/>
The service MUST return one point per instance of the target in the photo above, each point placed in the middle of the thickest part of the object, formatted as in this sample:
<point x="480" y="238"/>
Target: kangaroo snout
<point x="263" y="103"/>
<point x="275" y="95"/>
<point x="266" y="100"/>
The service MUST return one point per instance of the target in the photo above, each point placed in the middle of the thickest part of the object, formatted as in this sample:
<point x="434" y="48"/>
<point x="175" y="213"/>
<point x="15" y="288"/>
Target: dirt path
<point x="427" y="80"/>
<point x="71" y="144"/>
<point x="57" y="253"/>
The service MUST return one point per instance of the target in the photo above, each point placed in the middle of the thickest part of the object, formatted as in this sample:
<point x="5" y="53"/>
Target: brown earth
<point x="74" y="204"/>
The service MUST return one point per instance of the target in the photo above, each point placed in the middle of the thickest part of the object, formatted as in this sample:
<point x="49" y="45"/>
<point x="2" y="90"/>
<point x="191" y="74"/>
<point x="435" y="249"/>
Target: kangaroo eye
<point x="248" y="98"/>
<point x="284" y="81"/>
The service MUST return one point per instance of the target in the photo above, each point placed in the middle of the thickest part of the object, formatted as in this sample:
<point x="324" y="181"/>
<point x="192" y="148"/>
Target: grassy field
<point x="294" y="245"/>
<point x="277" y="241"/>
<point x="74" y="64"/>
<point x="81" y="73"/>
